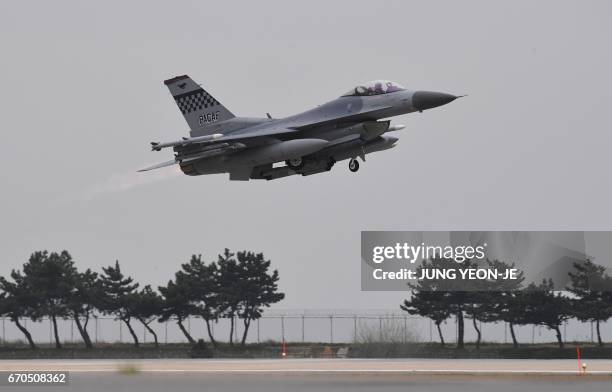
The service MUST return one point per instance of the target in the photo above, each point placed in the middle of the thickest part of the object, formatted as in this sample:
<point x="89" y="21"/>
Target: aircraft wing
<point x="342" y="118"/>
<point x="257" y="133"/>
<point x="240" y="135"/>
<point x="220" y="137"/>
<point x="218" y="143"/>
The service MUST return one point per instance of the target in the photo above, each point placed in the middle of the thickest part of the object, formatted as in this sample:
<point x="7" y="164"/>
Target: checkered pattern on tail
<point x="201" y="110"/>
<point x="194" y="101"/>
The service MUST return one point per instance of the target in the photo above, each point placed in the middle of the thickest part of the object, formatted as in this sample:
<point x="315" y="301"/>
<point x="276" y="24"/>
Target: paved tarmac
<point x="412" y="365"/>
<point x="315" y="382"/>
<point x="306" y="375"/>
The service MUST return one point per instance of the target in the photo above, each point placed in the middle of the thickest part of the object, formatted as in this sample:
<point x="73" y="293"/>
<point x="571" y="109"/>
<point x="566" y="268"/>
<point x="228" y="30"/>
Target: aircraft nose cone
<point x="422" y="100"/>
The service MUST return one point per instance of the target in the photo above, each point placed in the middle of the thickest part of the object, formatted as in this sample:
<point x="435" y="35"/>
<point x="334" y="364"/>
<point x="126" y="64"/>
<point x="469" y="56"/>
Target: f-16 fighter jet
<point x="311" y="142"/>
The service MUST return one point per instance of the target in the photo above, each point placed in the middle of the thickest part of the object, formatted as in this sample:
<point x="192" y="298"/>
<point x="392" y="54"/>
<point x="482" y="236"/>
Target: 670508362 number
<point x="35" y="378"/>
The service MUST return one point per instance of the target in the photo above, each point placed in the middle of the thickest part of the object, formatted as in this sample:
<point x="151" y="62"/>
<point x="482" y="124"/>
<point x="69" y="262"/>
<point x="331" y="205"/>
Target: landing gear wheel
<point x="295" y="164"/>
<point x="353" y="165"/>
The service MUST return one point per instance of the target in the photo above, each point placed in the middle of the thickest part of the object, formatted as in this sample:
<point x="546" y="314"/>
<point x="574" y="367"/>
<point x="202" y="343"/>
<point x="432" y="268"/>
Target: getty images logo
<point x="411" y="253"/>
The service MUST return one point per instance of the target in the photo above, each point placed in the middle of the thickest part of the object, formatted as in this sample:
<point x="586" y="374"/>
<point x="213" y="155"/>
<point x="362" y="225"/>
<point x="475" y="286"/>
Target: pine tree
<point x="118" y="297"/>
<point x="258" y="288"/>
<point x="430" y="304"/>
<point x="82" y="300"/>
<point x="229" y="289"/>
<point x="147" y="306"/>
<point x="49" y="276"/>
<point x="17" y="301"/>
<point x="450" y="298"/>
<point x="543" y="305"/>
<point x="202" y="281"/>
<point x="593" y="290"/>
<point x="176" y="303"/>
<point x="490" y="300"/>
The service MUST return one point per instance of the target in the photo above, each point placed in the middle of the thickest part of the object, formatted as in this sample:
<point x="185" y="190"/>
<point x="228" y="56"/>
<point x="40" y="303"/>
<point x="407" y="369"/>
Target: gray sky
<point x="82" y="97"/>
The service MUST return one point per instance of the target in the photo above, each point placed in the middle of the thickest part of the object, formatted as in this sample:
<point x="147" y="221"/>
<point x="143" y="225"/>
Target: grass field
<point x="306" y="350"/>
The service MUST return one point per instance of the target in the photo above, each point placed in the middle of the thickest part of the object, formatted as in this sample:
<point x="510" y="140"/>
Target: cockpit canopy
<point x="375" y="87"/>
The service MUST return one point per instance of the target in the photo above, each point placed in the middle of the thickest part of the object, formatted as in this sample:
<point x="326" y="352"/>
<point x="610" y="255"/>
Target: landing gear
<point x="295" y="164"/>
<point x="353" y="165"/>
<point x="330" y="163"/>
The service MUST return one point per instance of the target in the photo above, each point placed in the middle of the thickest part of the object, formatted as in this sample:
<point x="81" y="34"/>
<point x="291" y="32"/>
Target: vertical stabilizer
<point x="200" y="109"/>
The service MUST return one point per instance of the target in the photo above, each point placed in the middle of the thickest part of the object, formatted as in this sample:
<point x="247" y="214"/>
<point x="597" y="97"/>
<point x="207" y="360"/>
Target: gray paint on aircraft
<point x="309" y="142"/>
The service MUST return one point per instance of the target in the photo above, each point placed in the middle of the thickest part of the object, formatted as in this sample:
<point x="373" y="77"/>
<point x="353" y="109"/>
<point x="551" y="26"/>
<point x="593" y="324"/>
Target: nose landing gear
<point x="353" y="165"/>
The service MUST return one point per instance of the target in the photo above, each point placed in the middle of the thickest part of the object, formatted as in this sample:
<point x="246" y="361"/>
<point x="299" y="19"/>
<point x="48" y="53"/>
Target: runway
<point x="399" y="366"/>
<point x="314" y="375"/>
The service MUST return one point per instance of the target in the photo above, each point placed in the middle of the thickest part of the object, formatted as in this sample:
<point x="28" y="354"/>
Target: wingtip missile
<point x="156" y="146"/>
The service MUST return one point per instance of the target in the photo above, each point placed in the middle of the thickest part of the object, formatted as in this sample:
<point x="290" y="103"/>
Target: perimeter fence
<point x="324" y="326"/>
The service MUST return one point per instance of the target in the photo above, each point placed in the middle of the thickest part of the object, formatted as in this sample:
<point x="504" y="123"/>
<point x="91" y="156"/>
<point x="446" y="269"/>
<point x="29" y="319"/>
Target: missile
<point x="156" y="146"/>
<point x="383" y="143"/>
<point x="396" y="127"/>
<point x="223" y="149"/>
<point x="370" y="130"/>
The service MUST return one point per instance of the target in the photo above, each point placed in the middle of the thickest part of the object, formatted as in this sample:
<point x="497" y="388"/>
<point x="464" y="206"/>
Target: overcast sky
<point x="81" y="97"/>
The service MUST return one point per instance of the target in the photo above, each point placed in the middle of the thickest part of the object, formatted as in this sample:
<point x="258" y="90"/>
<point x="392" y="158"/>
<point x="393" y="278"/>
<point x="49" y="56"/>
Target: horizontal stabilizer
<point x="159" y="165"/>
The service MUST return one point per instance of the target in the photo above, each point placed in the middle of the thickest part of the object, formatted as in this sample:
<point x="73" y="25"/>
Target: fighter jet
<point x="311" y="142"/>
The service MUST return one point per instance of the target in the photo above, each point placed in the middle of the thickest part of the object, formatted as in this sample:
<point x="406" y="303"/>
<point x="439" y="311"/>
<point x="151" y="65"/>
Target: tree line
<point x="237" y="286"/>
<point x="587" y="298"/>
